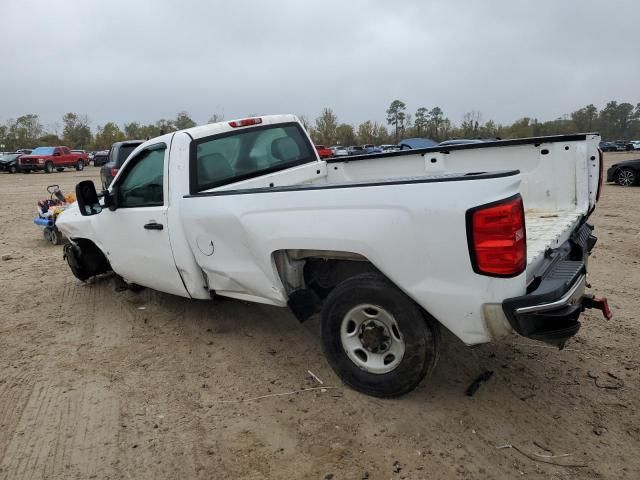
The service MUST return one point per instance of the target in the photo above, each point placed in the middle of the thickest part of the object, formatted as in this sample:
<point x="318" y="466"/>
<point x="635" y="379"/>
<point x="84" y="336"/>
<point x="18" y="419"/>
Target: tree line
<point x="615" y="121"/>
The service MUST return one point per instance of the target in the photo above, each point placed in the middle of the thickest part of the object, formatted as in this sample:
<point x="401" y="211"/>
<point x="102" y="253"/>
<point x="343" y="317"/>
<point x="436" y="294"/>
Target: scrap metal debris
<point x="536" y="457"/>
<point x="475" y="385"/>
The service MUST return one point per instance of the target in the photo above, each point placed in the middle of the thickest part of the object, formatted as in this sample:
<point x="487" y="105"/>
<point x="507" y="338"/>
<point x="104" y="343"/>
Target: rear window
<point x="237" y="156"/>
<point x="123" y="153"/>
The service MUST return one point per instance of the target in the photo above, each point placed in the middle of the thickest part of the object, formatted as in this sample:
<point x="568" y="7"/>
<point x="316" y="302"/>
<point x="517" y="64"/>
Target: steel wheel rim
<point x="625" y="177"/>
<point x="371" y="338"/>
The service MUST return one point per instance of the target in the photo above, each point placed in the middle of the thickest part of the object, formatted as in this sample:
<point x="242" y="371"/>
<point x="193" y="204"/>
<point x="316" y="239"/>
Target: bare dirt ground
<point x="99" y="384"/>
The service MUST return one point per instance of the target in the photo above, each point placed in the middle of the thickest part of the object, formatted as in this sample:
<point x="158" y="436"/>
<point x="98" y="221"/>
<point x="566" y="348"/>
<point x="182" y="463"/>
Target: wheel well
<point x="94" y="262"/>
<point x="309" y="276"/>
<point x="319" y="270"/>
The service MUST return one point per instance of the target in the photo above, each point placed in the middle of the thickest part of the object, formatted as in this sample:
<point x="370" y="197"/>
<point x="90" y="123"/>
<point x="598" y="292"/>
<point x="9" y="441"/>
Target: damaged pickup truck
<point x="482" y="239"/>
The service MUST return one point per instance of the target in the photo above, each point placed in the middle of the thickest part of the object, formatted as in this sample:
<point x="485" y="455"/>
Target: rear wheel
<point x="13" y="169"/>
<point x="376" y="338"/>
<point x="48" y="167"/>
<point x="53" y="235"/>
<point x="626" y="177"/>
<point x="80" y="165"/>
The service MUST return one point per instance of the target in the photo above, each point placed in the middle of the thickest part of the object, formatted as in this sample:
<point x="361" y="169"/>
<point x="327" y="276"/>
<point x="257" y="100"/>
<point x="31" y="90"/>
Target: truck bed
<point x="547" y="229"/>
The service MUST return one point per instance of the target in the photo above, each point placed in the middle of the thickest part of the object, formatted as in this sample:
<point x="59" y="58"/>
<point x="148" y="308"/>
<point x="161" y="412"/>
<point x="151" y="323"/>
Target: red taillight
<point x="601" y="173"/>
<point x="245" y="122"/>
<point x="497" y="238"/>
<point x="114" y="172"/>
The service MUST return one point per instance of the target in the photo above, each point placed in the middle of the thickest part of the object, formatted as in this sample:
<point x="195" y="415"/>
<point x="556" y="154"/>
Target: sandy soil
<point x="99" y="384"/>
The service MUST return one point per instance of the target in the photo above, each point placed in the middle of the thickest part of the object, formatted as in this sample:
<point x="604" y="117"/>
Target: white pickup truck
<point x="483" y="239"/>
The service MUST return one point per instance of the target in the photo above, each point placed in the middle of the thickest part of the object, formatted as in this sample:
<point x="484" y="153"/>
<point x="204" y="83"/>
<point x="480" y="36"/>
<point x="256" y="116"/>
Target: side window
<point x="65" y="151"/>
<point x="57" y="152"/>
<point x="142" y="183"/>
<point x="236" y="156"/>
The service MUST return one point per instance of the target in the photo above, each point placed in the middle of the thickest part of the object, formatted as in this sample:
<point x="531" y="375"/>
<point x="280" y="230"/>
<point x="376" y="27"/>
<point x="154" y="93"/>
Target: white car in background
<point x="339" y="151"/>
<point x="389" y="148"/>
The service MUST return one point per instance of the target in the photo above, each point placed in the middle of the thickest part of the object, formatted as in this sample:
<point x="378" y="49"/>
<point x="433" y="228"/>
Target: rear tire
<point x="377" y="339"/>
<point x="80" y="165"/>
<point x="48" y="167"/>
<point x="625" y="177"/>
<point x="55" y="236"/>
<point x="13" y="169"/>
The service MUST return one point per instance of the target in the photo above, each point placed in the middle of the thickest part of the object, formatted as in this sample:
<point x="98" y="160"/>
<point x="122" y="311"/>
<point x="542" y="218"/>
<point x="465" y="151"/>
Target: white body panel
<point x="413" y="230"/>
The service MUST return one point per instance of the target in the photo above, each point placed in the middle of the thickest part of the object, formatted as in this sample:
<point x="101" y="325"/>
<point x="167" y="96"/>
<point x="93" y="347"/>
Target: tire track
<point x="64" y="433"/>
<point x="14" y="394"/>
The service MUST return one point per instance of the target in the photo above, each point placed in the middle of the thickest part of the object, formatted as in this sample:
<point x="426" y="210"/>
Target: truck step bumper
<point x="550" y="312"/>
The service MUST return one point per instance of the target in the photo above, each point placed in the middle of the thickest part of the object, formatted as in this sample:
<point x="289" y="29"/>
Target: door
<point x="67" y="157"/>
<point x="58" y="159"/>
<point x="136" y="235"/>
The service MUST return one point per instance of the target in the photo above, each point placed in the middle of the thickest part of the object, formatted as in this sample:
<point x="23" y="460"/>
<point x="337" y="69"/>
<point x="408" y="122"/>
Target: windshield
<point x="42" y="151"/>
<point x="249" y="153"/>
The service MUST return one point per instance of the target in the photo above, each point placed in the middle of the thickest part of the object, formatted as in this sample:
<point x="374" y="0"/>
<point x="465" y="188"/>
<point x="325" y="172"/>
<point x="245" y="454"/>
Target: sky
<point x="142" y="60"/>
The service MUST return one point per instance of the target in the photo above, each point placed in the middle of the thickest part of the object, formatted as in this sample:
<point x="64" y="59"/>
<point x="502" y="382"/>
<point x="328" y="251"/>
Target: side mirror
<point x="110" y="198"/>
<point x="87" y="198"/>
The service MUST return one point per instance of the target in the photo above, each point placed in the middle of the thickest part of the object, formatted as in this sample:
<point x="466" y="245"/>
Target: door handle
<point x="153" y="226"/>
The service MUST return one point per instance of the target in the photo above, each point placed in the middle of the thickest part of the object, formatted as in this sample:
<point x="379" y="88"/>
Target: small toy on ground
<point x="48" y="211"/>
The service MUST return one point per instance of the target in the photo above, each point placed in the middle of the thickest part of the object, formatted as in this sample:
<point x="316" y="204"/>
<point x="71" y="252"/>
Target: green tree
<point x="585" y="119"/>
<point x="306" y="124"/>
<point x="133" y="130"/>
<point x="324" y="131"/>
<point x="421" y="121"/>
<point x="491" y="130"/>
<point x="165" y="126"/>
<point x="51" y="139"/>
<point x="396" y="116"/>
<point x="435" y="123"/>
<point x="3" y="137"/>
<point x="76" y="132"/>
<point x="345" y="135"/>
<point x="471" y="124"/>
<point x="23" y="132"/>
<point x="107" y="136"/>
<point x="366" y="132"/>
<point x="183" y="121"/>
<point x="381" y="134"/>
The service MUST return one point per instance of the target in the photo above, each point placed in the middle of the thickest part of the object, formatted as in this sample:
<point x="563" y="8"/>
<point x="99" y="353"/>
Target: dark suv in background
<point x="100" y="158"/>
<point x="117" y="155"/>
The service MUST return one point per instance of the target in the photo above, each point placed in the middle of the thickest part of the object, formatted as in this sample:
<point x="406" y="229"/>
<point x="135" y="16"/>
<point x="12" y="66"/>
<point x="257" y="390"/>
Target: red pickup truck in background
<point x="50" y="158"/>
<point x="324" y="152"/>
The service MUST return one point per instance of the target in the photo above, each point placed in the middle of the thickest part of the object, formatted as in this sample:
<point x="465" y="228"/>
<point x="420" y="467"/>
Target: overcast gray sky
<point x="141" y="60"/>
